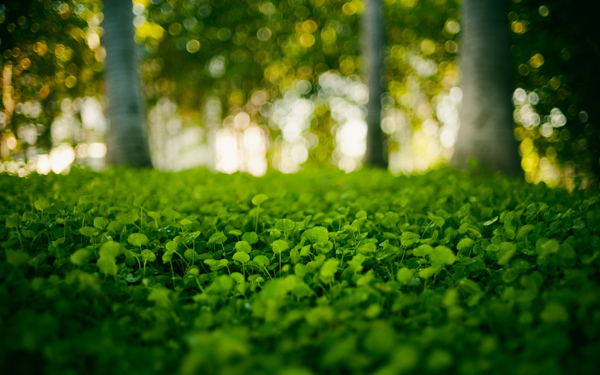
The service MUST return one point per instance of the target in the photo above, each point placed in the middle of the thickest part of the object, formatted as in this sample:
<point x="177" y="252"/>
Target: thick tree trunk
<point x="372" y="62"/>
<point x="486" y="130"/>
<point x="9" y="106"/>
<point x="127" y="141"/>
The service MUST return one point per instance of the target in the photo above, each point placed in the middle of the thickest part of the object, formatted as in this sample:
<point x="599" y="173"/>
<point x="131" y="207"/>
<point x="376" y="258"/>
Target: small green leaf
<point x="566" y="251"/>
<point x="368" y="248"/>
<point x="305" y="251"/>
<point x="437" y="220"/>
<point x="80" y="257"/>
<point x="422" y="250"/>
<point x="137" y="239"/>
<point x="131" y="278"/>
<point x="30" y="216"/>
<point x="404" y="276"/>
<point x="426" y="273"/>
<point x="241" y="257"/>
<point x="171" y="246"/>
<point x="506" y="251"/>
<point x="148" y="255"/>
<point x="107" y="265"/>
<point x="185" y="222"/>
<point x="409" y="238"/>
<point x="464" y="243"/>
<point x="279" y="246"/>
<point x="217" y="238"/>
<point x="490" y="222"/>
<point x="115" y="227"/>
<point x="509" y="276"/>
<point x="161" y="296"/>
<point x="523" y="231"/>
<point x="13" y="220"/>
<point x="170" y="213"/>
<point x="285" y="225"/>
<point x="546" y="247"/>
<point x="222" y="284"/>
<point x="190" y="255"/>
<point x="261" y="260"/>
<point x="89" y="231"/>
<point x="27" y="233"/>
<point x="238" y="277"/>
<point x="300" y="269"/>
<point x="243" y="246"/>
<point x="167" y="256"/>
<point x="258" y="199"/>
<point x="41" y="204"/>
<point x="302" y="290"/>
<point x="470" y="286"/>
<point x="17" y="258"/>
<point x="111" y="249"/>
<point x="554" y="312"/>
<point x="442" y="256"/>
<point x="328" y="269"/>
<point x="250" y="237"/>
<point x="128" y="217"/>
<point x="275" y="233"/>
<point x="509" y="217"/>
<point x="100" y="223"/>
<point x="365" y="279"/>
<point x="317" y="234"/>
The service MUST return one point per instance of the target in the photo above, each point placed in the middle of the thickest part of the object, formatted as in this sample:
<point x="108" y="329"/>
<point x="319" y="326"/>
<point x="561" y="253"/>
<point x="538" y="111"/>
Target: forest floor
<point x="146" y="272"/>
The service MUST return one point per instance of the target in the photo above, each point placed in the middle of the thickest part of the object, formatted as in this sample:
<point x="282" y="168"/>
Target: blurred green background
<point x="253" y="85"/>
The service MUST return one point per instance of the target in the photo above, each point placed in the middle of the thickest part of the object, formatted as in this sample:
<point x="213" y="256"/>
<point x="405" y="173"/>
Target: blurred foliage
<point x="51" y="52"/>
<point x="250" y="53"/>
<point x="235" y="50"/>
<point x="231" y="49"/>
<point x="556" y="49"/>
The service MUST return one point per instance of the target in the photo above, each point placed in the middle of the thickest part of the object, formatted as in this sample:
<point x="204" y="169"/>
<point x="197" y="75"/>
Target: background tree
<point x="46" y="57"/>
<point x="126" y="141"/>
<point x="250" y="56"/>
<point x="486" y="121"/>
<point x="373" y="30"/>
<point x="555" y="54"/>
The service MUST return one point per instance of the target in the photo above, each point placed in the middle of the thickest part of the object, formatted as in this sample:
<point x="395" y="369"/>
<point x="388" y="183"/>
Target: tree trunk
<point x="9" y="107"/>
<point x="127" y="141"/>
<point x="486" y="130"/>
<point x="372" y="62"/>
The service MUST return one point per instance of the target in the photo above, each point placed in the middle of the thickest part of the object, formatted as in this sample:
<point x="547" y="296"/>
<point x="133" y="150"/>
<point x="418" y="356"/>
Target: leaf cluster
<point x="149" y="272"/>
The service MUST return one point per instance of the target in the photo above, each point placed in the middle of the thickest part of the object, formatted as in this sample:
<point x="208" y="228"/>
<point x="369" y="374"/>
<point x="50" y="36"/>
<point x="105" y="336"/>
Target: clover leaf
<point x="137" y="239"/>
<point x="258" y="199"/>
<point x="241" y="257"/>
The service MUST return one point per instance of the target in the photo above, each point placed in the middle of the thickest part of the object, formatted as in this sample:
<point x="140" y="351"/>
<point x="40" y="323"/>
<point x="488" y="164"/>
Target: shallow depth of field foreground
<point x="145" y="272"/>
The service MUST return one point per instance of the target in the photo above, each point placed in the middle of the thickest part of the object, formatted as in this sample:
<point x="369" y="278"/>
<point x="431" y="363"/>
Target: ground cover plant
<point x="144" y="272"/>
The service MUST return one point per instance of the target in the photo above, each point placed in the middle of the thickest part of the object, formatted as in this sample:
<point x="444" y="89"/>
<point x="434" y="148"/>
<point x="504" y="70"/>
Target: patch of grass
<point x="145" y="272"/>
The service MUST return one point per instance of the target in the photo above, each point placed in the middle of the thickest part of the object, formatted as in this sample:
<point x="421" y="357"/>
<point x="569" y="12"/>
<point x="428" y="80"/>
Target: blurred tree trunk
<point x="372" y="62"/>
<point x="486" y="130"/>
<point x="127" y="141"/>
<point x="9" y="106"/>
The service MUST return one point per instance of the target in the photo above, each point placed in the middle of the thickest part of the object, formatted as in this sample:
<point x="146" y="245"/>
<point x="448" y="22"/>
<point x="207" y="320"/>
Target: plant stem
<point x="256" y="221"/>
<point x="21" y="242"/>
<point x="199" y="286"/>
<point x="268" y="273"/>
<point x="172" y="275"/>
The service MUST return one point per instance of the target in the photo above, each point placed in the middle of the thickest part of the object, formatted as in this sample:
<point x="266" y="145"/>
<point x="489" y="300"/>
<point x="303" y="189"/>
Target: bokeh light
<point x="248" y="86"/>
